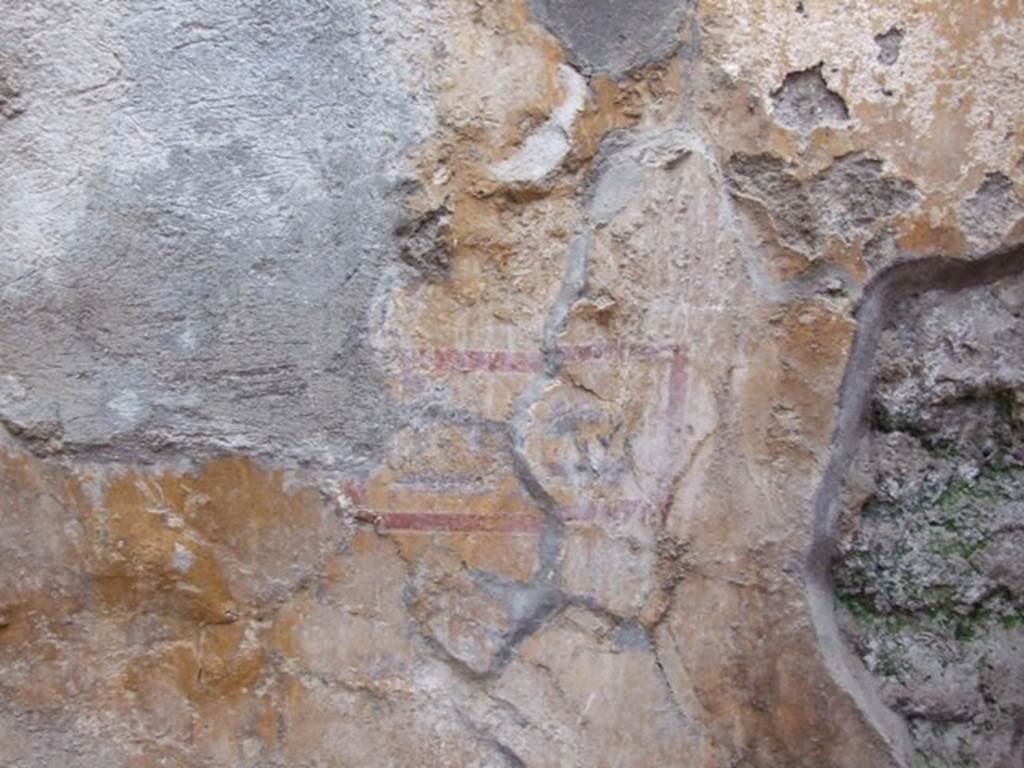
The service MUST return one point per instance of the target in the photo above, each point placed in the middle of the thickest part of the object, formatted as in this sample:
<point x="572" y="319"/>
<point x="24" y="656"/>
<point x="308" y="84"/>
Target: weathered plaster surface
<point x="465" y="383"/>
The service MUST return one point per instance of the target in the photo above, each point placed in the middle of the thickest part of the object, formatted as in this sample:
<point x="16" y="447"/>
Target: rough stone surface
<point x="805" y="101"/>
<point x="994" y="208"/>
<point x="463" y="383"/>
<point x="931" y="570"/>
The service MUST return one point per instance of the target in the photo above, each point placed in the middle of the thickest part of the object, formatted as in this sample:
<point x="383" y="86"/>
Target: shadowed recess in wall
<point x="922" y="504"/>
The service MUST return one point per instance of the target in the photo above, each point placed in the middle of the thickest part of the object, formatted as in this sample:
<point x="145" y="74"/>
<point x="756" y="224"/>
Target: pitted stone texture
<point x="804" y="101"/>
<point x="991" y="212"/>
<point x="849" y="198"/>
<point x="199" y="275"/>
<point x="930" y="565"/>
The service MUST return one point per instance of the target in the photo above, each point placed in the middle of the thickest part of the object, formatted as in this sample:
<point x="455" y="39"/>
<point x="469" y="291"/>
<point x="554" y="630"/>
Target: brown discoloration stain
<point x="651" y="94"/>
<point x="143" y="559"/>
<point x="230" y="659"/>
<point x="761" y="691"/>
<point x="203" y="682"/>
<point x="180" y="539"/>
<point x="922" y="238"/>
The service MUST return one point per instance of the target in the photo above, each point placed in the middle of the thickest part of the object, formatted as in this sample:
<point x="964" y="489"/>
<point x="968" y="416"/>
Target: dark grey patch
<point x="804" y="101"/>
<point x="847" y="199"/>
<point x="889" y="46"/>
<point x="614" y="37"/>
<point x="508" y="754"/>
<point x="424" y="243"/>
<point x="528" y="605"/>
<point x="992" y="210"/>
<point x="214" y="295"/>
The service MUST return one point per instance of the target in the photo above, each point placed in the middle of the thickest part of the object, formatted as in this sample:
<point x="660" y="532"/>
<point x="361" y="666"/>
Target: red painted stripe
<point x="457" y="523"/>
<point x="502" y="522"/>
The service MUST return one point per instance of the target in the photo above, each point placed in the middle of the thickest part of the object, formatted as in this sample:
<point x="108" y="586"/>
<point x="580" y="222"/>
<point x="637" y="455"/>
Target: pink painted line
<point x="446" y="360"/>
<point x="449" y="522"/>
<point x="520" y="521"/>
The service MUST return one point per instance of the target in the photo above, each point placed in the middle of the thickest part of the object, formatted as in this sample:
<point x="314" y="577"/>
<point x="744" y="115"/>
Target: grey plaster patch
<point x="543" y="151"/>
<point x="621" y="165"/>
<point x="889" y="46"/>
<point x="614" y="37"/>
<point x="232" y="194"/>
<point x="630" y="636"/>
<point x="992" y="210"/>
<point x="804" y="101"/>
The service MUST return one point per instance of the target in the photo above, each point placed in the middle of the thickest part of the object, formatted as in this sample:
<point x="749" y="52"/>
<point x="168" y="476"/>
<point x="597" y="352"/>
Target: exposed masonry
<point x="846" y="199"/>
<point x="930" y="571"/>
<point x="879" y="298"/>
<point x="995" y="206"/>
<point x="424" y="243"/>
<point x="804" y="101"/>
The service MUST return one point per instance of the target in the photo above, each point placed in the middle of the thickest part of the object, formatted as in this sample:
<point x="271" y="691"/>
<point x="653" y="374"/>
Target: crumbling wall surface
<point x="931" y="567"/>
<point x="398" y="382"/>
